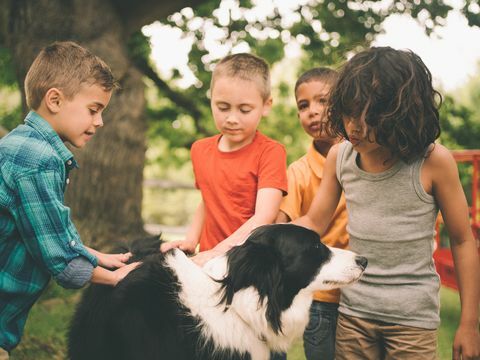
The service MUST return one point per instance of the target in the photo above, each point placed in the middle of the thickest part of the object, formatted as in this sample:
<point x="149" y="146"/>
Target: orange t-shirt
<point x="229" y="182"/>
<point x="304" y="178"/>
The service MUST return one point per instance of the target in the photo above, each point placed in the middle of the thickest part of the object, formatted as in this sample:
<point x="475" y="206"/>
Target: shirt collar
<point x="316" y="161"/>
<point x="42" y="126"/>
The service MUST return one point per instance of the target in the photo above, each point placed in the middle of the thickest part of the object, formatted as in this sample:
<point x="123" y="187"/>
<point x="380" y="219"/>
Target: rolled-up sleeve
<point x="77" y="273"/>
<point x="45" y="224"/>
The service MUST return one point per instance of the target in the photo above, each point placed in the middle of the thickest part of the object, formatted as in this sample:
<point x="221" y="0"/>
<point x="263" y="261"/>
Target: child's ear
<point x="53" y="100"/>
<point x="267" y="106"/>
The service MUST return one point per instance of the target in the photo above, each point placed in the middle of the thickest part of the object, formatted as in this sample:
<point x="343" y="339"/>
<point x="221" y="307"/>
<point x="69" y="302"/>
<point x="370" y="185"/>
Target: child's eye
<point x="302" y="106"/>
<point x="92" y="111"/>
<point x="322" y="101"/>
<point x="222" y="108"/>
<point x="245" y="111"/>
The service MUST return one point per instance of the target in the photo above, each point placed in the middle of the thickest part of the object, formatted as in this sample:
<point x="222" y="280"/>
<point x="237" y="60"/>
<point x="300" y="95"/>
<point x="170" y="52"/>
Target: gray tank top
<point x="391" y="221"/>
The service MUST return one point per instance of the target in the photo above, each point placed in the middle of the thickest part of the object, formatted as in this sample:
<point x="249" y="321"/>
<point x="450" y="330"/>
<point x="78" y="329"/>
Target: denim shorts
<point x="319" y="336"/>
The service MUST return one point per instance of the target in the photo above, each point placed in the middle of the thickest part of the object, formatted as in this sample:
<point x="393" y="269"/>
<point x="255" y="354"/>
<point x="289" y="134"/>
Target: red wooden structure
<point x="443" y="255"/>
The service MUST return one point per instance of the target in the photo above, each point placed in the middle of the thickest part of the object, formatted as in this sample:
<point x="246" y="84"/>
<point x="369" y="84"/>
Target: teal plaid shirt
<point x="37" y="237"/>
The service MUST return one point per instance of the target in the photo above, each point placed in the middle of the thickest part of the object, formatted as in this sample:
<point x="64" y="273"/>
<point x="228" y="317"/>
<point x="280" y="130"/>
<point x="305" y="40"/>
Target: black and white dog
<point x="240" y="306"/>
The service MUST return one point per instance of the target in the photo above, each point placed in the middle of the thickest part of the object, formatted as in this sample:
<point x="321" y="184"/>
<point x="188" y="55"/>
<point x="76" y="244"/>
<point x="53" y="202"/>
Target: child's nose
<point x="98" y="121"/>
<point x="231" y="118"/>
<point x="314" y="110"/>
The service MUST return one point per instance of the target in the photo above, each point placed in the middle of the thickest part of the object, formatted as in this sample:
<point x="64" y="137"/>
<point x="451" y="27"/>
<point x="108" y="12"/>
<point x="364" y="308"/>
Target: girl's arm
<point x="449" y="195"/>
<point x="326" y="200"/>
<point x="193" y="234"/>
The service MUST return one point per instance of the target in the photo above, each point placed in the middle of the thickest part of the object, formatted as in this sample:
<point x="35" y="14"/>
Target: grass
<point x="45" y="335"/>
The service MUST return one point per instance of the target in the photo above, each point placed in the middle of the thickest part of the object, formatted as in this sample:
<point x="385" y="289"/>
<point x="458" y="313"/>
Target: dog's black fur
<point x="143" y="318"/>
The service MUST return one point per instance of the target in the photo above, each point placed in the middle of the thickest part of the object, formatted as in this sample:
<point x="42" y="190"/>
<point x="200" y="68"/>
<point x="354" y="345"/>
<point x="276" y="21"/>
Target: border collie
<point x="240" y="306"/>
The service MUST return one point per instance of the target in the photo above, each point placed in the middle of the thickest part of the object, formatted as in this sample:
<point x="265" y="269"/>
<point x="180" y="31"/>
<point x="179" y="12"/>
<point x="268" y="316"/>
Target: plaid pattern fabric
<point x="37" y="236"/>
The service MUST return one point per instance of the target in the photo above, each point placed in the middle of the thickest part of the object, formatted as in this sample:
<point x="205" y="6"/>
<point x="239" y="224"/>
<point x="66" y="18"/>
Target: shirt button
<point x="69" y="162"/>
<point x="73" y="243"/>
<point x="68" y="181"/>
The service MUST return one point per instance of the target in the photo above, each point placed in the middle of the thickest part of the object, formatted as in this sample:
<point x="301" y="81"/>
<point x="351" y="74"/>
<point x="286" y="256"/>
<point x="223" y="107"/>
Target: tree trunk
<point x="105" y="194"/>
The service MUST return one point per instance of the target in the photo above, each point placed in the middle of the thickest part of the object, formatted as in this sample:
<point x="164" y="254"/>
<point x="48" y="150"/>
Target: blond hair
<point x="246" y="67"/>
<point x="65" y="66"/>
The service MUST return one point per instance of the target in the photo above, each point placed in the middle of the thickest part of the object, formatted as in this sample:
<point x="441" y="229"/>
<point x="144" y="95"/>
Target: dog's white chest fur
<point x="243" y="326"/>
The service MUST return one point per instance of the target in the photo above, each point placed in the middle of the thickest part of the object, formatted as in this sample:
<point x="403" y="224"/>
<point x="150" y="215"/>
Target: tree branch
<point x="139" y="13"/>
<point x="175" y="96"/>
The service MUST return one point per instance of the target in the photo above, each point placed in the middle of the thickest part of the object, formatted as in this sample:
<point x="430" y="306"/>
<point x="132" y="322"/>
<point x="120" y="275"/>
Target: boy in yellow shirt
<point x="304" y="176"/>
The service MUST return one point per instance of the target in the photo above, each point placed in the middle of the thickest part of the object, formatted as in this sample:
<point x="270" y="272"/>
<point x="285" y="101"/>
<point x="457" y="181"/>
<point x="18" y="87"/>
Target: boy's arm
<point x="282" y="217"/>
<point x="266" y="209"/>
<point x="104" y="276"/>
<point x="193" y="234"/>
<point x="109" y="261"/>
<point x="449" y="195"/>
<point x="326" y="200"/>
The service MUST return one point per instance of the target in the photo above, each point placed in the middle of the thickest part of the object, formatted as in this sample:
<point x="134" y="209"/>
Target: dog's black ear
<point x="256" y="264"/>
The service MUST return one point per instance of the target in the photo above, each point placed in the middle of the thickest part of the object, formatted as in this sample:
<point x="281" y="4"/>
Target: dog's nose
<point x="361" y="261"/>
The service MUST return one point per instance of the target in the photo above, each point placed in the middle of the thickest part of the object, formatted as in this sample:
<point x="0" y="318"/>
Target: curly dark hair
<point x="390" y="91"/>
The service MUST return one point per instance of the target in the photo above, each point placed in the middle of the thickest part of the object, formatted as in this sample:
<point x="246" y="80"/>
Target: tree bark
<point x="105" y="194"/>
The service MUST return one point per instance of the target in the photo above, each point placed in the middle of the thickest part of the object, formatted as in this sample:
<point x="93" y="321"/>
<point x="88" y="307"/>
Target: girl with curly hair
<point x="396" y="179"/>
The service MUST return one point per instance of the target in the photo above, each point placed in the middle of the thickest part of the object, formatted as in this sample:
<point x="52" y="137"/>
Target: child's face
<point x="237" y="107"/>
<point x="79" y="118"/>
<point x="362" y="140"/>
<point x="312" y="100"/>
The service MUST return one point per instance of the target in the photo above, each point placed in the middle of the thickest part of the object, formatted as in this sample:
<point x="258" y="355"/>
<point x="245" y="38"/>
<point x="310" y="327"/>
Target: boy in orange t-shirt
<point x="304" y="176"/>
<point x="240" y="172"/>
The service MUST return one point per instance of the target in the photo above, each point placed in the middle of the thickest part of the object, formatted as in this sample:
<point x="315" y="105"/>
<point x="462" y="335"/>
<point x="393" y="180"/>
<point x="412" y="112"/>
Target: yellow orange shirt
<point x="304" y="178"/>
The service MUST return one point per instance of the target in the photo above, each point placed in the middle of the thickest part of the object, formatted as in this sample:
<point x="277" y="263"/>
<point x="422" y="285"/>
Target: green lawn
<point x="45" y="333"/>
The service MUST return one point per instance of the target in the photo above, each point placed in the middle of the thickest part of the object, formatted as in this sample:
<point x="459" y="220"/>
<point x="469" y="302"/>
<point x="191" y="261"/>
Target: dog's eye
<point x="317" y="246"/>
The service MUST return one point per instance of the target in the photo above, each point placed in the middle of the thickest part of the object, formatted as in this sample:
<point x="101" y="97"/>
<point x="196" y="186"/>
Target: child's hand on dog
<point x="113" y="261"/>
<point x="123" y="271"/>
<point x="184" y="245"/>
<point x="203" y="257"/>
<point x="110" y="261"/>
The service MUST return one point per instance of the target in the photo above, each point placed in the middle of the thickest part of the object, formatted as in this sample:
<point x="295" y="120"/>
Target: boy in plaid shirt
<point x="67" y="88"/>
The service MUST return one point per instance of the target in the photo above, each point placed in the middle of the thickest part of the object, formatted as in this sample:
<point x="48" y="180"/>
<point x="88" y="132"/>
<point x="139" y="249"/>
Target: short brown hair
<point x="323" y="74"/>
<point x="66" y="66"/>
<point x="246" y="67"/>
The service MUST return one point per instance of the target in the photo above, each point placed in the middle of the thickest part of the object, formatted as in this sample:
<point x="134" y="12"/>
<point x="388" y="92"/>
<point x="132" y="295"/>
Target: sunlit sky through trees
<point x="451" y="52"/>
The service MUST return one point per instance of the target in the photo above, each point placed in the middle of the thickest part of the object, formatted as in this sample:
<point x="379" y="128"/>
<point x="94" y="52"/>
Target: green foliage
<point x="460" y="128"/>
<point x="139" y="46"/>
<point x="10" y="104"/>
<point x="7" y="71"/>
<point x="10" y="118"/>
<point x="327" y="32"/>
<point x="471" y="10"/>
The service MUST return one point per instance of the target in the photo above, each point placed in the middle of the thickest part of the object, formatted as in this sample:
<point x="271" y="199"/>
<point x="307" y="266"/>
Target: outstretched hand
<point x="123" y="271"/>
<point x="203" y="257"/>
<point x="112" y="261"/>
<point x="183" y="245"/>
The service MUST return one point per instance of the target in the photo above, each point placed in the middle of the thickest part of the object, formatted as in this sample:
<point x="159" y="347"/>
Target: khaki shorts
<point x="3" y="355"/>
<point x="363" y="339"/>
